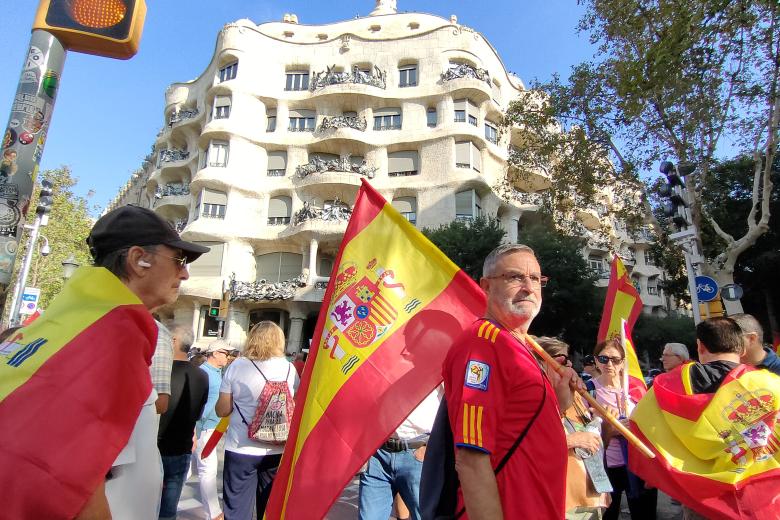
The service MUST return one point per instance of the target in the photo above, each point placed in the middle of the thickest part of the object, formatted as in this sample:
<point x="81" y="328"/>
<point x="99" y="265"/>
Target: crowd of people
<point x="524" y="442"/>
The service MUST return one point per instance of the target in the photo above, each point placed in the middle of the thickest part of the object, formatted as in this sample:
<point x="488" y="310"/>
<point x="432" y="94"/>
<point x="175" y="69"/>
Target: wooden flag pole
<point x="625" y="432"/>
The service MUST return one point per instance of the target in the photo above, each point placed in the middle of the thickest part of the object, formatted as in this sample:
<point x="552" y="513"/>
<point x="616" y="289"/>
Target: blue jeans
<point x="174" y="472"/>
<point x="389" y="473"/>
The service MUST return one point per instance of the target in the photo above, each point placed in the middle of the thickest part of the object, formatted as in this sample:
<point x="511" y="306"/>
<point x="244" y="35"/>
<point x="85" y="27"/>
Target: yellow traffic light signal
<point x="109" y="28"/>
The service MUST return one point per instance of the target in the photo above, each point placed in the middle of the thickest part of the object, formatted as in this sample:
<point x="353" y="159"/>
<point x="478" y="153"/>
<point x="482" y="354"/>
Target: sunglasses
<point x="563" y="359"/>
<point x="180" y="261"/>
<point x="606" y="359"/>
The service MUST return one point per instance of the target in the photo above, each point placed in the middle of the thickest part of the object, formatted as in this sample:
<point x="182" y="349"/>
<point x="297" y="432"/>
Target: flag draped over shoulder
<point x="393" y="307"/>
<point x="71" y="386"/>
<point x="633" y="378"/>
<point x="717" y="453"/>
<point x="622" y="303"/>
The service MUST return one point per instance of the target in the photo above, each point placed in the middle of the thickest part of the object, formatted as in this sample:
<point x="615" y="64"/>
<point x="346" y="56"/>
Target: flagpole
<point x="625" y="432"/>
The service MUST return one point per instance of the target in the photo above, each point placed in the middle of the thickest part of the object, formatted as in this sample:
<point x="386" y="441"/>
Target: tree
<point x="67" y="231"/>
<point x="468" y="242"/>
<point x="572" y="304"/>
<point x="680" y="80"/>
<point x="651" y="333"/>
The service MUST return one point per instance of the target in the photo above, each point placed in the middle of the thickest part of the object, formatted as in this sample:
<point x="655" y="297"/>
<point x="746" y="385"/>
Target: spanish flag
<point x="71" y="386"/>
<point x="392" y="309"/>
<point x="622" y="303"/>
<point x="633" y="379"/>
<point x="718" y="453"/>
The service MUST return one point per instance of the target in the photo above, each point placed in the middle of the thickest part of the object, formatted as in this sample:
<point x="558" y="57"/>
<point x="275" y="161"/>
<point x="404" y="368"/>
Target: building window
<point x="221" y="107"/>
<point x="228" y="72"/>
<point x="467" y="155"/>
<point x="302" y="120"/>
<point x="270" y="117"/>
<point x="277" y="163"/>
<point x="491" y="134"/>
<point x="403" y="164"/>
<point x="212" y="204"/>
<point x="217" y="154"/>
<point x="652" y="290"/>
<point x="208" y="264"/>
<point x="325" y="266"/>
<point x="648" y="258"/>
<point x="466" y="110"/>
<point x="278" y="267"/>
<point x="433" y="117"/>
<point x="279" y="211"/>
<point x="407" y="76"/>
<point x="596" y="264"/>
<point x="387" y="119"/>
<point x="297" y="80"/>
<point x="407" y="207"/>
<point x="468" y="205"/>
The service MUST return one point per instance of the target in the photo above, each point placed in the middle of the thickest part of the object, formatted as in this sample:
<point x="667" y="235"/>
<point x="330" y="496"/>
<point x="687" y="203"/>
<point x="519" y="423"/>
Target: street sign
<point x="30" y="298"/>
<point x="706" y="288"/>
<point x="731" y="292"/>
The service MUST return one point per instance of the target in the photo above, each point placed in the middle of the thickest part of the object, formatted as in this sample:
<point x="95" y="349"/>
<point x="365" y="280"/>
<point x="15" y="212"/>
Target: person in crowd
<point x="497" y="394"/>
<point x="397" y="464"/>
<point x="589" y="369"/>
<point x="583" y="501"/>
<point x="93" y="397"/>
<point x="610" y="358"/>
<point x="161" y="367"/>
<point x="189" y="391"/>
<point x="216" y="358"/>
<point x="674" y="355"/>
<point x="250" y="466"/>
<point x="756" y="353"/>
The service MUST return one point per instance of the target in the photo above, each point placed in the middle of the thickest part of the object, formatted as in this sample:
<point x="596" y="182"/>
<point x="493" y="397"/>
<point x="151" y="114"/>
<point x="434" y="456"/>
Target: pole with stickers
<point x="110" y="28"/>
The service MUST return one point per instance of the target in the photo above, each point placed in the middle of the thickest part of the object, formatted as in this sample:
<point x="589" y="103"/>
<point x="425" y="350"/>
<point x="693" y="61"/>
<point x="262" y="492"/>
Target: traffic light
<point x="676" y="207"/>
<point x="45" y="199"/>
<point x="109" y="28"/>
<point x="214" y="308"/>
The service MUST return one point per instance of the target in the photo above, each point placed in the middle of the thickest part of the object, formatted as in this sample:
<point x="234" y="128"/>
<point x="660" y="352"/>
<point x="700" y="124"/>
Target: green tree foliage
<point x="67" y="231"/>
<point x="572" y="304"/>
<point x="679" y="80"/>
<point x="467" y="243"/>
<point x="651" y="333"/>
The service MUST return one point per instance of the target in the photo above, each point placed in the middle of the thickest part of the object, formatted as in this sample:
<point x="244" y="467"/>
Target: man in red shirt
<point x="496" y="392"/>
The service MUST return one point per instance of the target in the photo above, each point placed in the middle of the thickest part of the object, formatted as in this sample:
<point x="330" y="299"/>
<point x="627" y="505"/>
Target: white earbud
<point x="144" y="263"/>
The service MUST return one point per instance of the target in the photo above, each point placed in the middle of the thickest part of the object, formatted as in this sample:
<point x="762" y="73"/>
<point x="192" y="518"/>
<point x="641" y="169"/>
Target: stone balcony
<point x="330" y="76"/>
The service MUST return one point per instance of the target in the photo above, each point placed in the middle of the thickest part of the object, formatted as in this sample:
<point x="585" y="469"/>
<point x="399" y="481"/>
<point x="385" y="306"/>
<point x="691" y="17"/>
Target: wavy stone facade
<point x="284" y="123"/>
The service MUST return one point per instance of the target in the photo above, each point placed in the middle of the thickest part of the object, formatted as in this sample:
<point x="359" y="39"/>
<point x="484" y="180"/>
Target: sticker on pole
<point x="30" y="298"/>
<point x="706" y="288"/>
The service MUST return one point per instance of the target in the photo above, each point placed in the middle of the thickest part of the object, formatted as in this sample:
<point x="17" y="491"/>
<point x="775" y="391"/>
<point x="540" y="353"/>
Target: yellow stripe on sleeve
<point x="465" y="422"/>
<point x="482" y="328"/>
<point x="472" y="436"/>
<point x="479" y="426"/>
<point x="495" y="335"/>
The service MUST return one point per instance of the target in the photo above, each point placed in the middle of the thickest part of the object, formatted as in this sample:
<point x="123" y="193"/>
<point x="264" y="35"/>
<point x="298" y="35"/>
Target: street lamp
<point x="69" y="266"/>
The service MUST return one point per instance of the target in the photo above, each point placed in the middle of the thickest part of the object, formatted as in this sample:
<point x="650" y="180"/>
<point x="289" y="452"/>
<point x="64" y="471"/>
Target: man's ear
<point x="138" y="262"/>
<point x="700" y="348"/>
<point x="484" y="283"/>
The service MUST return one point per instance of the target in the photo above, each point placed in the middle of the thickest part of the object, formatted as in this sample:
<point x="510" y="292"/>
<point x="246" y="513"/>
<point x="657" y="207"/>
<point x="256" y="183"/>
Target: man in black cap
<point x="81" y="431"/>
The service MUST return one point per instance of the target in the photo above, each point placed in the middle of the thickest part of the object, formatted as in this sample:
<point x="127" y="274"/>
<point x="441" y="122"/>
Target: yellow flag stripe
<point x="90" y="294"/>
<point x="686" y="378"/>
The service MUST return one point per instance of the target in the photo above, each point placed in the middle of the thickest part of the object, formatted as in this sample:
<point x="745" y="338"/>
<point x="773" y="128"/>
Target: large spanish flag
<point x="633" y="379"/>
<point x="717" y="453"/>
<point x="71" y="386"/>
<point x="622" y="303"/>
<point x="393" y="307"/>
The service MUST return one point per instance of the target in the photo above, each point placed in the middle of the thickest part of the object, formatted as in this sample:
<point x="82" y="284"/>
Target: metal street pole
<point x="692" y="285"/>
<point x="23" y="142"/>
<point x="16" y="302"/>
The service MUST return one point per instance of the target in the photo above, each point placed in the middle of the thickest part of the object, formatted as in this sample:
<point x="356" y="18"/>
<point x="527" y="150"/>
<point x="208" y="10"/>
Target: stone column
<point x="313" y="245"/>
<point x="294" y="337"/>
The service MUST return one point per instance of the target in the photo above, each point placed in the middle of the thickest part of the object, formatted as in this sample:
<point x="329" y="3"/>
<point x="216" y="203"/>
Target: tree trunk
<point x="726" y="277"/>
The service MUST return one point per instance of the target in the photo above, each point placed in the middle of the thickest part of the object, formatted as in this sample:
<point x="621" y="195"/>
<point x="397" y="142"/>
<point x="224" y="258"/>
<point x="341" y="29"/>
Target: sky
<point x="108" y="112"/>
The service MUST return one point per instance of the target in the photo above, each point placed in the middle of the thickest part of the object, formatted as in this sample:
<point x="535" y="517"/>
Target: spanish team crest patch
<point x="477" y="374"/>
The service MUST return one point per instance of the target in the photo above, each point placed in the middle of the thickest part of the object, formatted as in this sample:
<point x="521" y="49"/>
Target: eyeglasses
<point x="515" y="279"/>
<point x="181" y="261"/>
<point x="606" y="359"/>
<point x="664" y="355"/>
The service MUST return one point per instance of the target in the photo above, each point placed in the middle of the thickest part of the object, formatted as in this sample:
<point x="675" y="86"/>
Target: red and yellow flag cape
<point x="719" y="453"/>
<point x="634" y="381"/>
<point x="622" y="303"/>
<point x="71" y="387"/>
<point x="393" y="307"/>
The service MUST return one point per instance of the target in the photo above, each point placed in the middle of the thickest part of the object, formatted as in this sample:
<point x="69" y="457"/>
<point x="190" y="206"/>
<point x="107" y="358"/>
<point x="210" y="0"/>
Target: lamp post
<point x="69" y="266"/>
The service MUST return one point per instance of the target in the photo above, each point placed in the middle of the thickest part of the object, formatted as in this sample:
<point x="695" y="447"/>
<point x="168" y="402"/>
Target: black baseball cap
<point x="135" y="226"/>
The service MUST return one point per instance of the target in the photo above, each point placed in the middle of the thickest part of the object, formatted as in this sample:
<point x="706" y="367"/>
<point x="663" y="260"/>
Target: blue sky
<point x="108" y="111"/>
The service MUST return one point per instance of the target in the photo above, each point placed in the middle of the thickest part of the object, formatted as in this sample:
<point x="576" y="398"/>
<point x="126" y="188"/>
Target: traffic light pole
<point x="23" y="143"/>
<point x="16" y="302"/>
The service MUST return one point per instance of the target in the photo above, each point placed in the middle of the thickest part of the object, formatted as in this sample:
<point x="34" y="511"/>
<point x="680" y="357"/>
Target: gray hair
<point x="749" y="325"/>
<point x="678" y="349"/>
<point x="185" y="336"/>
<point x="488" y="268"/>
<point x="116" y="261"/>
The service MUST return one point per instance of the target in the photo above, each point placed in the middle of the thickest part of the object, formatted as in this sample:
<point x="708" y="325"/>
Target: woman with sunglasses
<point x="583" y="501"/>
<point x="609" y="392"/>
